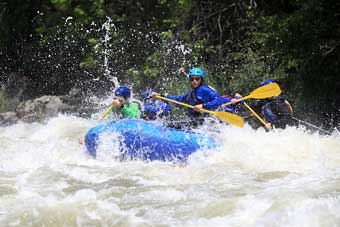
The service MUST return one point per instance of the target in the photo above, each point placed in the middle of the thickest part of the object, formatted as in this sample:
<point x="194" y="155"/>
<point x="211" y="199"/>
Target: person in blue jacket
<point x="200" y="96"/>
<point x="277" y="111"/>
<point x="154" y="108"/>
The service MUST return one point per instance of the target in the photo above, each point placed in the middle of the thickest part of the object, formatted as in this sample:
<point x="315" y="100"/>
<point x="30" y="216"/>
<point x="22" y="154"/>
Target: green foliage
<point x="62" y="5"/>
<point x="238" y="43"/>
<point x="177" y="13"/>
<point x="11" y="27"/>
<point x="300" y="41"/>
<point x="89" y="62"/>
<point x="167" y="35"/>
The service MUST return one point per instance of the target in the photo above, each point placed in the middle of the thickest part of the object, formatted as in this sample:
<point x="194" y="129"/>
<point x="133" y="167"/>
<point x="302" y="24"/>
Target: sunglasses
<point x="195" y="78"/>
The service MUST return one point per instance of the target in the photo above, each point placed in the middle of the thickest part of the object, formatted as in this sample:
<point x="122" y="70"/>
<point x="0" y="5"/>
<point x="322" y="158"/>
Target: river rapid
<point x="281" y="178"/>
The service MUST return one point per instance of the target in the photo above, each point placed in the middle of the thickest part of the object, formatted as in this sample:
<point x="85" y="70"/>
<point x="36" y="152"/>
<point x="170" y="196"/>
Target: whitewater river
<point x="280" y="178"/>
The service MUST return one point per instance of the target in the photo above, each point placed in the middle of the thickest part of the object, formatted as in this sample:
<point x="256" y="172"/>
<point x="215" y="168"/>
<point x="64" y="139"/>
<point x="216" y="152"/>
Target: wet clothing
<point x="156" y="109"/>
<point x="130" y="110"/>
<point x="278" y="112"/>
<point x="203" y="94"/>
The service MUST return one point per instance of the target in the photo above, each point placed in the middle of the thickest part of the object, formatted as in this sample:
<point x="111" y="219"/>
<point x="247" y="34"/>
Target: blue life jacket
<point x="269" y="116"/>
<point x="203" y="94"/>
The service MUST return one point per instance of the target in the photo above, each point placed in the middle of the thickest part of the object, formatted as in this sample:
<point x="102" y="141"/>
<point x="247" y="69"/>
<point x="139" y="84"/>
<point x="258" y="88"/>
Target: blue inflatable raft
<point x="144" y="140"/>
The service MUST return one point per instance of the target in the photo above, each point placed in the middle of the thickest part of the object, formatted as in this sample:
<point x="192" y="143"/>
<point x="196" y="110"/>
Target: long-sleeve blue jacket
<point x="151" y="110"/>
<point x="230" y="108"/>
<point x="203" y="94"/>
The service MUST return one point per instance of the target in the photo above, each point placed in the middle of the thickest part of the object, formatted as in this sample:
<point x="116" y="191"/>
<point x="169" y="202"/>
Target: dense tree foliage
<point x="50" y="46"/>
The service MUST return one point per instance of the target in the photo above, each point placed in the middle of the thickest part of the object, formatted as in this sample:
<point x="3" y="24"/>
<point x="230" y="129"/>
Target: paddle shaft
<point x="225" y="116"/>
<point x="255" y="114"/>
<point x="311" y="125"/>
<point x="182" y="104"/>
<point x="106" y="113"/>
<point x="238" y="100"/>
<point x="186" y="105"/>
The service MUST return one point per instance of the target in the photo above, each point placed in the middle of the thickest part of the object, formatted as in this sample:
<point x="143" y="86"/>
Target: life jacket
<point x="193" y="97"/>
<point x="130" y="110"/>
<point x="276" y="109"/>
<point x="202" y="94"/>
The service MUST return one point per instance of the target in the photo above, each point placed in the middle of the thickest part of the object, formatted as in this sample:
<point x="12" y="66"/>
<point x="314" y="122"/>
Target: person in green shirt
<point x="122" y="101"/>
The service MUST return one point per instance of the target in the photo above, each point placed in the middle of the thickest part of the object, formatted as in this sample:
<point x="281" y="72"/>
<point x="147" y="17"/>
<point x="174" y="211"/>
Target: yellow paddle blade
<point x="106" y="113"/>
<point x="266" y="91"/>
<point x="230" y="118"/>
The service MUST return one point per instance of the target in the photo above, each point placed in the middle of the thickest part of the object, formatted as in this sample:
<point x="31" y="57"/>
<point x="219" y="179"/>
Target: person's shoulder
<point x="281" y="96"/>
<point x="209" y="88"/>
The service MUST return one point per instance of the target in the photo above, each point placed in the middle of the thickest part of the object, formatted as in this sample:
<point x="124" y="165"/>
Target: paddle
<point x="106" y="113"/>
<point x="263" y="92"/>
<point x="225" y="116"/>
<point x="311" y="125"/>
<point x="81" y="140"/>
<point x="255" y="114"/>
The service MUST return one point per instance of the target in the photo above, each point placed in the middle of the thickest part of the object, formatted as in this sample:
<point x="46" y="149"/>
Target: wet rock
<point x="8" y="118"/>
<point x="14" y="87"/>
<point x="78" y="103"/>
<point x="40" y="108"/>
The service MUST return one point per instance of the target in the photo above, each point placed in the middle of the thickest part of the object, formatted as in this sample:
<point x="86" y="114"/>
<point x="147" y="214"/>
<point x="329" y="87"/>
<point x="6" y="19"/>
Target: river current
<point x="281" y="178"/>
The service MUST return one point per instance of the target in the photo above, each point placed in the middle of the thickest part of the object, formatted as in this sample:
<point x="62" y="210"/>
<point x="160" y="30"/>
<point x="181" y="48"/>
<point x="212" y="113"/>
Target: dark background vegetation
<point x="52" y="46"/>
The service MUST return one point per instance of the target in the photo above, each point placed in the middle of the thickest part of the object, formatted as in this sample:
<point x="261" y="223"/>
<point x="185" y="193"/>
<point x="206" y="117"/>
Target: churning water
<point x="281" y="178"/>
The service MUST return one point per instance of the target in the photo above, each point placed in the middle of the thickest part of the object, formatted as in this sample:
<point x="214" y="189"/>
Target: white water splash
<point x="107" y="28"/>
<point x="281" y="178"/>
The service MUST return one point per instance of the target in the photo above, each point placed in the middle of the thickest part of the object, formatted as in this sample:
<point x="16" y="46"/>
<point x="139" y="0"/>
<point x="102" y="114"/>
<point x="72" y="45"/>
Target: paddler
<point x="122" y="102"/>
<point x="200" y="96"/>
<point x="277" y="111"/>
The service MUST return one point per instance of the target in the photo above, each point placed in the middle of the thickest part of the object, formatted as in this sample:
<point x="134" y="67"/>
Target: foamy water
<point x="281" y="178"/>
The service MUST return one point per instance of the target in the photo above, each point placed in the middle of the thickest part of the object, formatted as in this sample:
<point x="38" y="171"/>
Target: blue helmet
<point x="267" y="82"/>
<point x="123" y="91"/>
<point x="196" y="72"/>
